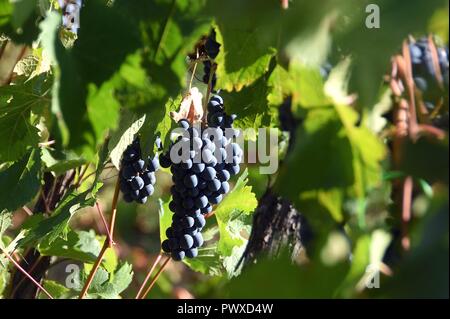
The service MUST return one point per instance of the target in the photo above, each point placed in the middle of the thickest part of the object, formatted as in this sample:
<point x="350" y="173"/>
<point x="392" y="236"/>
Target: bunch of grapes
<point x="424" y="71"/>
<point x="137" y="178"/>
<point x="201" y="162"/>
<point x="212" y="49"/>
<point x="71" y="14"/>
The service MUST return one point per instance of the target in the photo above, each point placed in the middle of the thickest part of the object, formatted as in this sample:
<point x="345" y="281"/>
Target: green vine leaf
<point x="107" y="285"/>
<point x="17" y="103"/>
<point x="51" y="228"/>
<point x="339" y="161"/>
<point x="20" y="182"/>
<point x="84" y="86"/>
<point x="78" y="245"/>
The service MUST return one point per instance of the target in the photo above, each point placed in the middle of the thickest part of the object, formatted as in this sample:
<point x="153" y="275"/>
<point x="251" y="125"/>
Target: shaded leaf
<point x="20" y="182"/>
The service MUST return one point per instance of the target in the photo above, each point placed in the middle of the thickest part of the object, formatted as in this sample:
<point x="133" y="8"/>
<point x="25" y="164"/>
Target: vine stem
<point x="26" y="274"/>
<point x="107" y="244"/>
<point x="38" y="260"/>
<point x="208" y="91"/>
<point x="105" y="224"/>
<point x="152" y="283"/>
<point x="406" y="210"/>
<point x="93" y="173"/>
<point x="147" y="278"/>
<point x="193" y="73"/>
<point x="80" y="176"/>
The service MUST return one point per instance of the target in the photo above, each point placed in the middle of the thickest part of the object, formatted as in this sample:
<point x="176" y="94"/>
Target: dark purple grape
<point x="192" y="253"/>
<point x="137" y="183"/>
<point x="198" y="240"/>
<point x="208" y="174"/>
<point x="190" y="181"/>
<point x="178" y="255"/>
<point x="165" y="246"/>
<point x="186" y="242"/>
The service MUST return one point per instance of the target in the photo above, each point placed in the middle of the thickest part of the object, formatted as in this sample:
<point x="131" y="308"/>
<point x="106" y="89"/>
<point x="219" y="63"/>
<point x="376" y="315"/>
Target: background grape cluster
<point x="137" y="178"/>
<point x="71" y="14"/>
<point x="424" y="72"/>
<point x="200" y="180"/>
<point x="211" y="49"/>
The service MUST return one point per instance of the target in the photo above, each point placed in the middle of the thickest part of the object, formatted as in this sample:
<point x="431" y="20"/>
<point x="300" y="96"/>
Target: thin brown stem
<point x="406" y="210"/>
<point x="22" y="53"/>
<point x="107" y="244"/>
<point x="114" y="212"/>
<point x="80" y="177"/>
<point x="147" y="278"/>
<point x="210" y="214"/>
<point x="93" y="173"/>
<point x="38" y="260"/>
<point x="208" y="91"/>
<point x="105" y="223"/>
<point x="193" y="73"/>
<point x="26" y="274"/>
<point x="152" y="283"/>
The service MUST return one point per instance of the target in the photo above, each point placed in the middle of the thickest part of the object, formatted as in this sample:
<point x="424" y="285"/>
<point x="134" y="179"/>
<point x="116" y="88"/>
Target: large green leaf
<point x="243" y="58"/>
<point x="60" y="162"/>
<point x="333" y="160"/>
<point x="78" y="245"/>
<point x="169" y="30"/>
<point x="250" y="104"/>
<point x="5" y="223"/>
<point x="108" y="285"/>
<point x="17" y="102"/>
<point x="51" y="228"/>
<point x="240" y="201"/>
<point x="158" y="122"/>
<point x="279" y="278"/>
<point x="18" y="20"/>
<point x="84" y="90"/>
<point x="20" y="182"/>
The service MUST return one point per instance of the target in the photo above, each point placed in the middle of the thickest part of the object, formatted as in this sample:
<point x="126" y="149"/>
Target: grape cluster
<point x="201" y="162"/>
<point x="424" y="71"/>
<point x="212" y="49"/>
<point x="71" y="14"/>
<point x="137" y="178"/>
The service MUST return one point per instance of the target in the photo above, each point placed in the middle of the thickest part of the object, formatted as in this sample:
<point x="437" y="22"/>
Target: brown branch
<point x="105" y="224"/>
<point x="107" y="244"/>
<point x="152" y="283"/>
<point x="23" y="271"/>
<point x="33" y="267"/>
<point x="147" y="278"/>
<point x="19" y="57"/>
<point x="406" y="210"/>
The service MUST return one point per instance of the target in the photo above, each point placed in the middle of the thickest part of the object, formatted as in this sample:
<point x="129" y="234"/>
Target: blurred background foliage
<point x="126" y="70"/>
